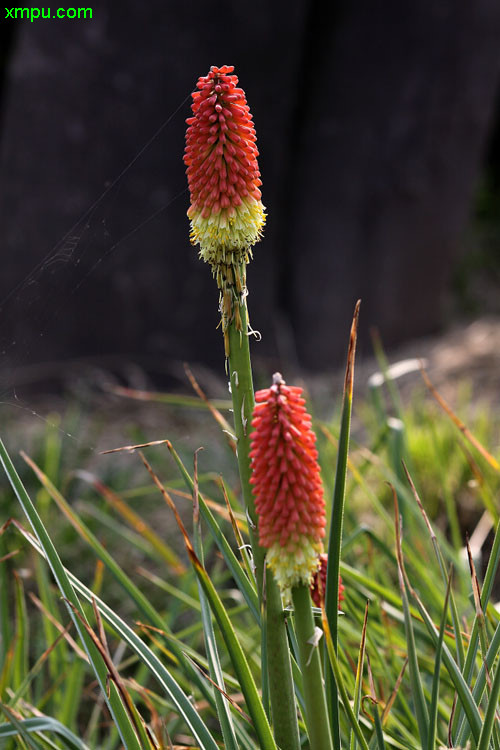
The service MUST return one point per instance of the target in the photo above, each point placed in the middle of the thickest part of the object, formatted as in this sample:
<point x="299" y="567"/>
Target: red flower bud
<point x="318" y="586"/>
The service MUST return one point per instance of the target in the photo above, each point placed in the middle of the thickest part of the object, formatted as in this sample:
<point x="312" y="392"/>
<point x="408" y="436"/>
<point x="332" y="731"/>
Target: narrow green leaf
<point x="336" y="523"/>
<point x="41" y="724"/>
<point x="20" y="662"/>
<point x="20" y="729"/>
<point x="359" y="676"/>
<point x="490" y="715"/>
<point x="223" y="712"/>
<point x="377" y="740"/>
<point x="378" y="728"/>
<point x="5" y="616"/>
<point x="433" y="711"/>
<point x="415" y="679"/>
<point x="174" y="399"/>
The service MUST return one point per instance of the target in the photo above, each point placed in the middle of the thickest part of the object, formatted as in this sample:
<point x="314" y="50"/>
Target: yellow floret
<point x="294" y="565"/>
<point x="221" y="235"/>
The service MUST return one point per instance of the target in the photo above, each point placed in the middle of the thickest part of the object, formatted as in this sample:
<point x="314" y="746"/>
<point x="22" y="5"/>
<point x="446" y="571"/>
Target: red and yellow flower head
<point x="287" y="484"/>
<point x="226" y="212"/>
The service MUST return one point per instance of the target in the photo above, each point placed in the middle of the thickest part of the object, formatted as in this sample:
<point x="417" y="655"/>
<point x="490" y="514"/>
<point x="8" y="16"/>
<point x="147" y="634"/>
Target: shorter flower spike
<point x="318" y="586"/>
<point x="287" y="485"/>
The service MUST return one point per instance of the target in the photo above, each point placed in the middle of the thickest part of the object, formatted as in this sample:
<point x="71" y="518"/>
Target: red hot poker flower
<point x="318" y="585"/>
<point x="286" y="484"/>
<point x="226" y="211"/>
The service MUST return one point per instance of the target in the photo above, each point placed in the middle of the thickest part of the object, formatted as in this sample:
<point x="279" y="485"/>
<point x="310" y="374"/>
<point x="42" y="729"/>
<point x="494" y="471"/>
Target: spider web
<point x="49" y="289"/>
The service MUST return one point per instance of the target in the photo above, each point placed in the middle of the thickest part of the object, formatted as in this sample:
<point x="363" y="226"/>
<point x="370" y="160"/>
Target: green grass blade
<point x="47" y="593"/>
<point x="379" y="734"/>
<point x="5" y="619"/>
<point x="490" y="715"/>
<point x="173" y="399"/>
<point x="433" y="711"/>
<point x="335" y="539"/>
<point x="359" y="676"/>
<point x="20" y="662"/>
<point x="118" y="711"/>
<point x="377" y="740"/>
<point x="223" y="712"/>
<point x="264" y="654"/>
<point x="415" y="679"/>
<point x="20" y="730"/>
<point x="41" y="724"/>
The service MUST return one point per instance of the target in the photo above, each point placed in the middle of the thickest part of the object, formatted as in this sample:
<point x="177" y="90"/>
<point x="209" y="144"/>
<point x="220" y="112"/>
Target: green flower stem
<point x="281" y="690"/>
<point x="318" y="727"/>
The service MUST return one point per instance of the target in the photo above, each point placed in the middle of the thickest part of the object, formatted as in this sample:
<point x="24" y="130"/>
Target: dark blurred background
<point x="379" y="133"/>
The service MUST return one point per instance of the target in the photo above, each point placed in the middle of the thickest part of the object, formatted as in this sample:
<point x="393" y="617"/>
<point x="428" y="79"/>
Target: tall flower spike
<point x="226" y="211"/>
<point x="287" y="485"/>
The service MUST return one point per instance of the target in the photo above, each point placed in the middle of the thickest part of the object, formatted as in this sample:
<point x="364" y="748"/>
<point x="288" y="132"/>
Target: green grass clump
<point x="117" y="631"/>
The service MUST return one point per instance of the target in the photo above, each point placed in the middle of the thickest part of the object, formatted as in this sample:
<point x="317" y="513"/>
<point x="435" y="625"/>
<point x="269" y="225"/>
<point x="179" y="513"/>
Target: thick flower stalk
<point x="318" y="585"/>
<point x="226" y="211"/>
<point x="287" y="485"/>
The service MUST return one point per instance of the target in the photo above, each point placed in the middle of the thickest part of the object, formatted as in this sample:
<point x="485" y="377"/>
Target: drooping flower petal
<point x="287" y="484"/>
<point x="226" y="212"/>
<point x="318" y="585"/>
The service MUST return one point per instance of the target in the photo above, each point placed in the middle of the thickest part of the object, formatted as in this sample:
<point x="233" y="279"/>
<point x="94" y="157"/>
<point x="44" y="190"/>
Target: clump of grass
<point x="158" y="625"/>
